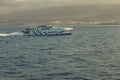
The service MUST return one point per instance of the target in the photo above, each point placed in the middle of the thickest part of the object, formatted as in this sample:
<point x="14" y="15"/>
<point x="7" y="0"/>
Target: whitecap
<point x="11" y="34"/>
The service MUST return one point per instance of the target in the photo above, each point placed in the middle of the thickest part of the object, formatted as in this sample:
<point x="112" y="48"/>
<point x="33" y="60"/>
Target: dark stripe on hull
<point x="49" y="34"/>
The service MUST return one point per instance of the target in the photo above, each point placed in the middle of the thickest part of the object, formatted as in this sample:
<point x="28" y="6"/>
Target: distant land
<point x="70" y="14"/>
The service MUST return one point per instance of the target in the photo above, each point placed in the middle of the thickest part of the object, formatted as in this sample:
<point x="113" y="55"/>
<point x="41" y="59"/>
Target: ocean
<point x="90" y="53"/>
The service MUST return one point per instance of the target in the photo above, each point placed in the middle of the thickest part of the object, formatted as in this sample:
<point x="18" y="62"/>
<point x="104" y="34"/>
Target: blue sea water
<point x="90" y="53"/>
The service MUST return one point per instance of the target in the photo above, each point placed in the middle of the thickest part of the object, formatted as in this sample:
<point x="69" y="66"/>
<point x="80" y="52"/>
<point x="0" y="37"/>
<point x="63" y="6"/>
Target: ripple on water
<point x="90" y="53"/>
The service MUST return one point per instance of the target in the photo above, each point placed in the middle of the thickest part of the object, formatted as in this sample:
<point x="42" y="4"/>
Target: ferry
<point x="45" y="30"/>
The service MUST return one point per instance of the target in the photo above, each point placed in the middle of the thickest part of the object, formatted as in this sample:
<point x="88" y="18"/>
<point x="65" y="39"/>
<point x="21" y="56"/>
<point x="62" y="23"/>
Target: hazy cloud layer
<point x="7" y="6"/>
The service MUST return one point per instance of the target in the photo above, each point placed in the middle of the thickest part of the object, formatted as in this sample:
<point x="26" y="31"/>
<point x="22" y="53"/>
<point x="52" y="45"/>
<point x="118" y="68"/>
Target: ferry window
<point x="45" y="28"/>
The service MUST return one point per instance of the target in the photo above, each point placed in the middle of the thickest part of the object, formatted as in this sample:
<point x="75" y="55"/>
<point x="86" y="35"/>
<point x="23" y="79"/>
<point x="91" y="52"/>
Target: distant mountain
<point x="59" y="13"/>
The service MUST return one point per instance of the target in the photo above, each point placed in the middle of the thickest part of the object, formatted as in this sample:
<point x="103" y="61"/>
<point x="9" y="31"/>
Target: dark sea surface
<point x="90" y="53"/>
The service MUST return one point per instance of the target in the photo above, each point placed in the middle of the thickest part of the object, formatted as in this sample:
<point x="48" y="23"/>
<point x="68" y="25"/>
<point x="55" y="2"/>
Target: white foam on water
<point x="11" y="34"/>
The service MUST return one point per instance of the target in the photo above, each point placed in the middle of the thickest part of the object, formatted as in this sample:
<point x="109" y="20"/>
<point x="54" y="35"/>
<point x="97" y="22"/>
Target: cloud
<point x="46" y="3"/>
<point x="14" y="5"/>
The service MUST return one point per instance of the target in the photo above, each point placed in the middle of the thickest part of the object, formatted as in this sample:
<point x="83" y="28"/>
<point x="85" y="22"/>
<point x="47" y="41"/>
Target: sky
<point x="7" y="6"/>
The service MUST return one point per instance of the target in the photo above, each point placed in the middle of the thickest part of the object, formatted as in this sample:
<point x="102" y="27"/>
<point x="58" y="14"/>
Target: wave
<point x="11" y="34"/>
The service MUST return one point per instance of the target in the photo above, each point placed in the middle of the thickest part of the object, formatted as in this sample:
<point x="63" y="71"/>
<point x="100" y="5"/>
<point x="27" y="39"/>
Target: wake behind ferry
<point x="45" y="30"/>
